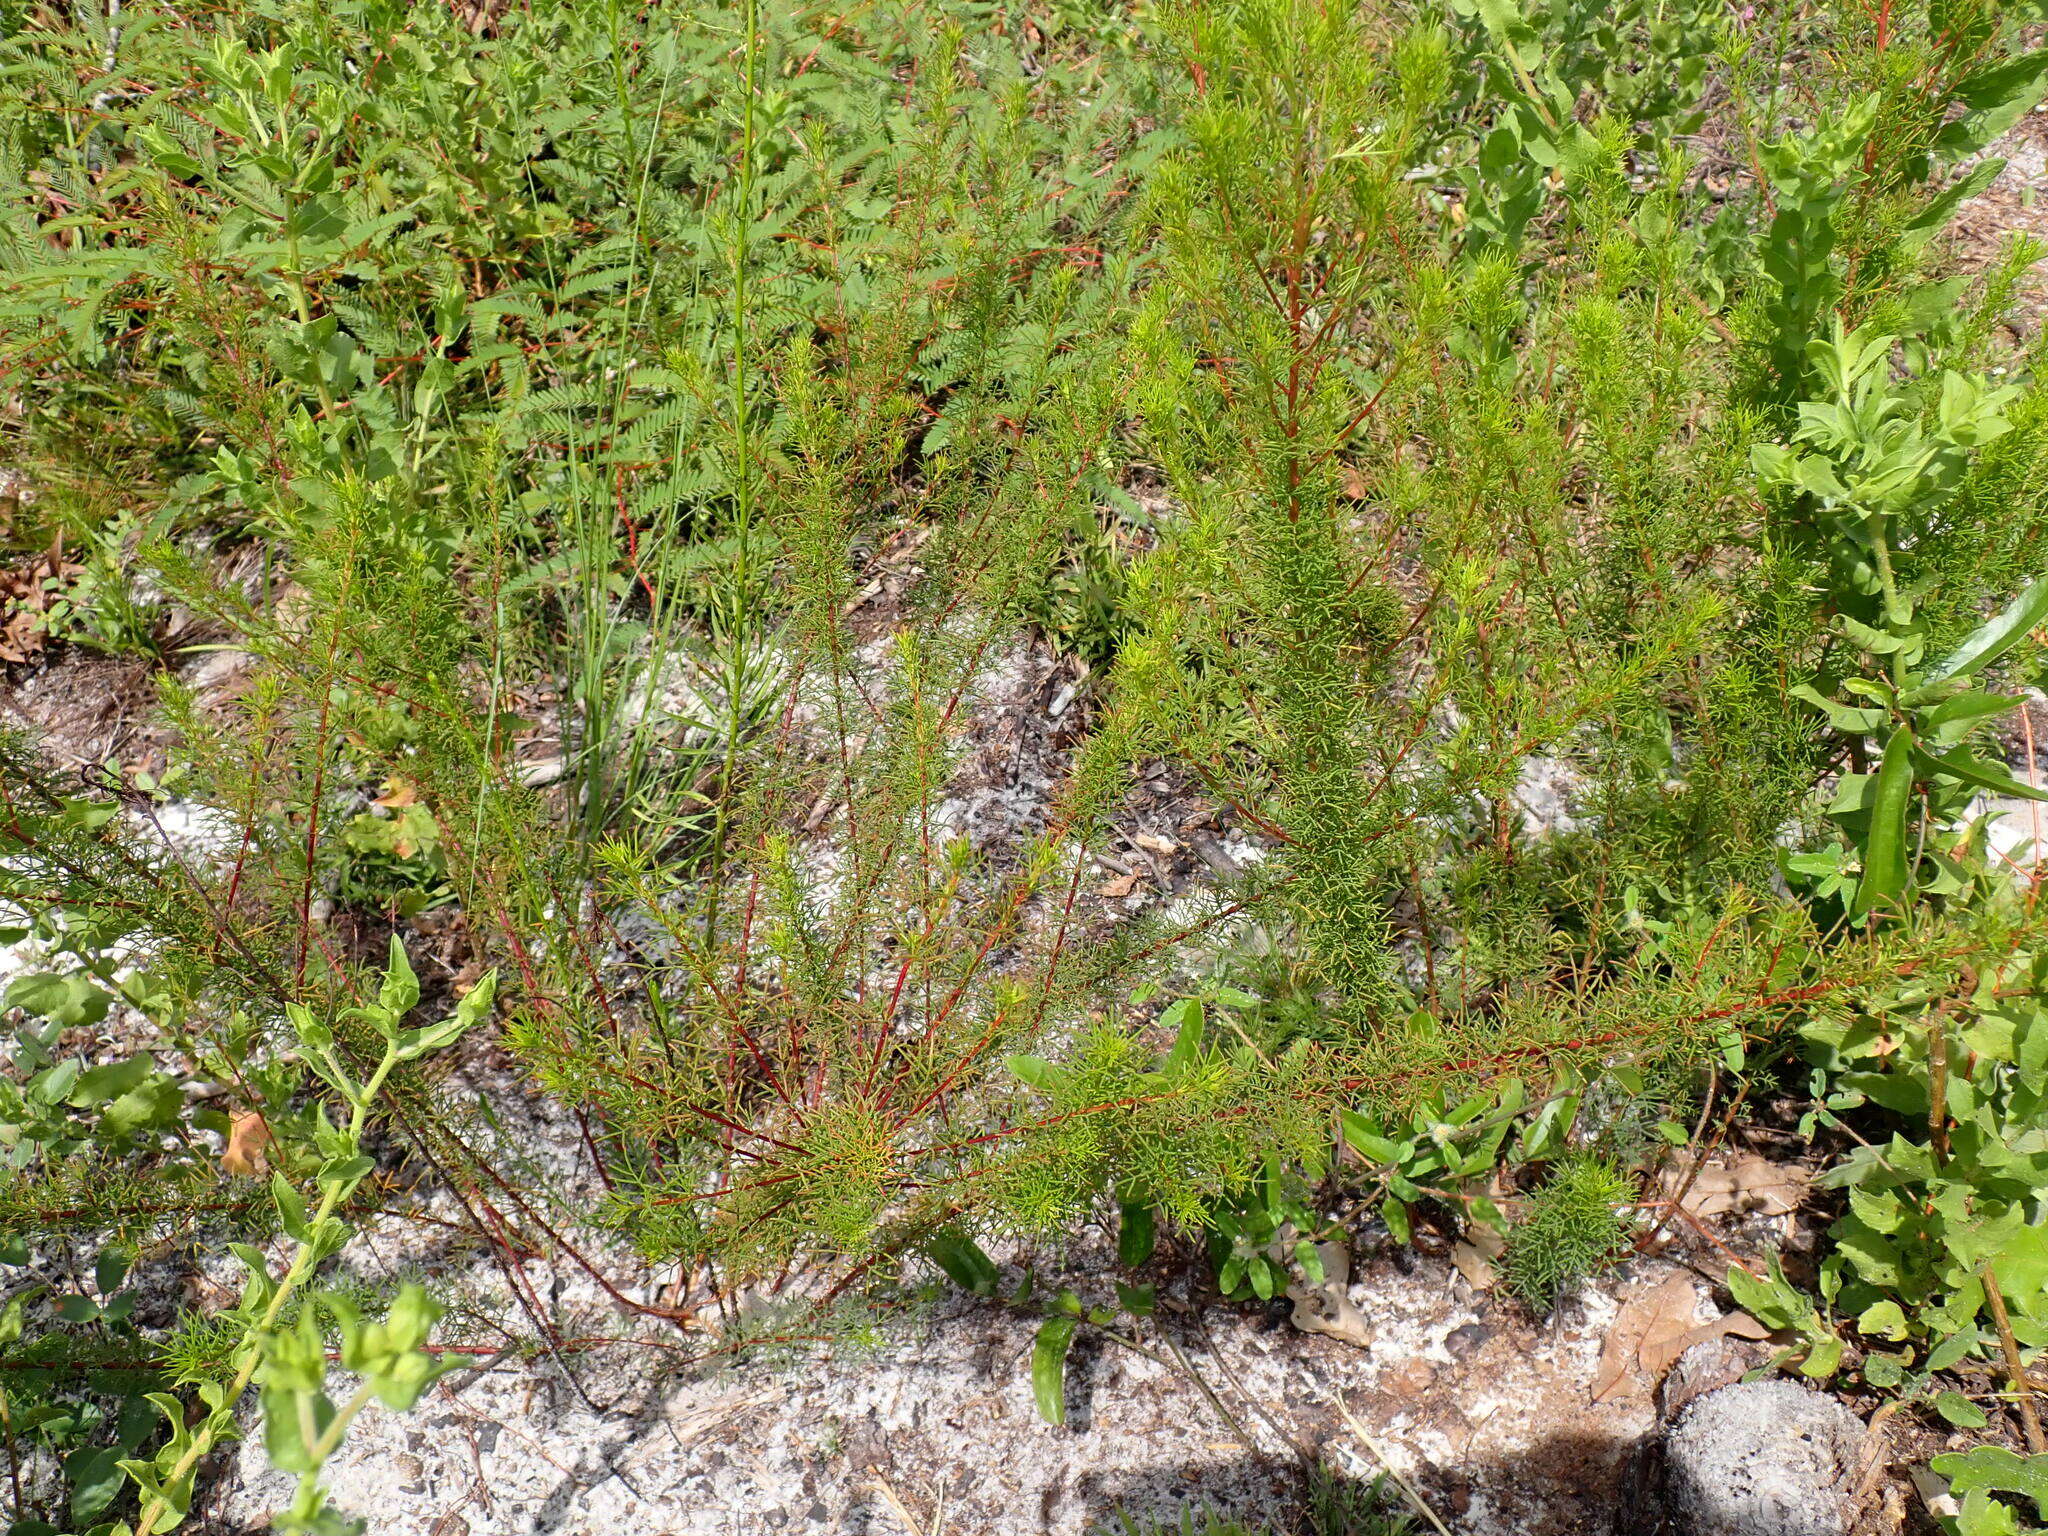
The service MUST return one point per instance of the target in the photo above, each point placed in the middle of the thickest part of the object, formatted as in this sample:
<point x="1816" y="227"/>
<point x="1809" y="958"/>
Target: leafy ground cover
<point x="967" y="632"/>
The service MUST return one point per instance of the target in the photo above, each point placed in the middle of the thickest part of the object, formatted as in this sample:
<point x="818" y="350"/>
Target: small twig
<point x="1408" y="1491"/>
<point x="1699" y="1157"/>
<point x="2030" y="1421"/>
<point x="13" y="1455"/>
<point x="1874" y="1461"/>
<point x="1937" y="1085"/>
<point x="475" y="1373"/>
<point x="1223" y="1412"/>
<point x="1747" y="1266"/>
<point x="2037" y="856"/>
<point x="1301" y="1451"/>
<point x="1677" y="1202"/>
<point x="902" y="1512"/>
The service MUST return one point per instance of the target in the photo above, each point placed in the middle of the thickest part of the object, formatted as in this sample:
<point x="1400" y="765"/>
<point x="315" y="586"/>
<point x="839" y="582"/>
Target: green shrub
<point x="1578" y="1222"/>
<point x="656" y="429"/>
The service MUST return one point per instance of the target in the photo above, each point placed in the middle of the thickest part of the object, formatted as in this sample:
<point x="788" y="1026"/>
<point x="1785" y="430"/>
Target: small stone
<point x="1411" y="1378"/>
<point x="1763" y="1458"/>
<point x="1467" y="1341"/>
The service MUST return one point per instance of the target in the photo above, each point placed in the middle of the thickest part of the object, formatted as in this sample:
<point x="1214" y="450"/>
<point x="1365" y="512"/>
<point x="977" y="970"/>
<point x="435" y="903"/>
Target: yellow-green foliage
<point x="656" y="432"/>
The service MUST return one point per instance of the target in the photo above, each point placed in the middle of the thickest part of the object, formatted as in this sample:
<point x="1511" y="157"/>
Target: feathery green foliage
<point x="637" y="454"/>
<point x="1578" y="1222"/>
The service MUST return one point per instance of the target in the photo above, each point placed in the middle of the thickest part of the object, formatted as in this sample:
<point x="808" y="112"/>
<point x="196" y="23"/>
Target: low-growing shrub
<point x="664" y="437"/>
<point x="1578" y="1221"/>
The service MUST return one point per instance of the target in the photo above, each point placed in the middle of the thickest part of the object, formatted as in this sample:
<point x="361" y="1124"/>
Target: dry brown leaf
<point x="1474" y="1256"/>
<point x="1671" y="1319"/>
<point x="481" y="17"/>
<point x="1744" y="1183"/>
<point x="1152" y="844"/>
<point x="1654" y="1328"/>
<point x="1666" y="1353"/>
<point x="1663" y="1312"/>
<point x="1326" y="1306"/>
<point x="248" y="1150"/>
<point x="21" y="636"/>
<point x="398" y="794"/>
<point x="25" y="595"/>
<point x="1328" y="1309"/>
<point x="1123" y="885"/>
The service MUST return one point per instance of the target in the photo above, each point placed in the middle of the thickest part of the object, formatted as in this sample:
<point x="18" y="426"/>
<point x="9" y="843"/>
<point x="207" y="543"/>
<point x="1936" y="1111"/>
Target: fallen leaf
<point x="1123" y="885"/>
<point x="1738" y="1324"/>
<point x="21" y="636"/>
<point x="1328" y="1309"/>
<point x="1743" y="1184"/>
<point x="1671" y="1319"/>
<point x="1152" y="844"/>
<point x="26" y="595"/>
<point x="481" y="17"/>
<point x="1654" y="1328"/>
<point x="1664" y="1312"/>
<point x="1474" y="1256"/>
<point x="248" y="1149"/>
<point x="1933" y="1490"/>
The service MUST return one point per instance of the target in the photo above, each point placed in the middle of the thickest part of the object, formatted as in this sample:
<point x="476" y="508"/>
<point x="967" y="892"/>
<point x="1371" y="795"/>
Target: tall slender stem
<point x="741" y="590"/>
<point x="251" y="1350"/>
<point x="2030" y="1421"/>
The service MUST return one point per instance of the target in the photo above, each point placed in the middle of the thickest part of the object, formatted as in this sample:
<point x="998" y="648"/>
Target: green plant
<point x="1064" y="1312"/>
<point x="1341" y="1506"/>
<point x="1936" y="1261"/>
<point x="116" y="1148"/>
<point x="657" y="432"/>
<point x="1208" y="1523"/>
<point x="1260" y="1240"/>
<point x="1374" y="734"/>
<point x="301" y="1427"/>
<point x="1853" y="205"/>
<point x="1938" y="1218"/>
<point x="88" y="1436"/>
<point x="1780" y="1305"/>
<point x="97" y="606"/>
<point x="1941" y="1210"/>
<point x="1530" y="142"/>
<point x="1980" y="1474"/>
<point x="1819" y="1348"/>
<point x="397" y="856"/>
<point x="1435" y="1152"/>
<point x="1578" y="1221"/>
<point x="477" y="444"/>
<point x="1084" y="604"/>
